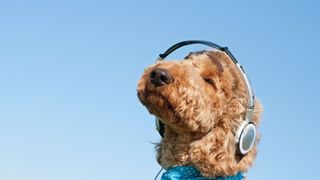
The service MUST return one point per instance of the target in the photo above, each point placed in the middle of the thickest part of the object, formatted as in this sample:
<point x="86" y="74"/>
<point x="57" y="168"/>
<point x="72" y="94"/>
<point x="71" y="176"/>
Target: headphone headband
<point x="234" y="60"/>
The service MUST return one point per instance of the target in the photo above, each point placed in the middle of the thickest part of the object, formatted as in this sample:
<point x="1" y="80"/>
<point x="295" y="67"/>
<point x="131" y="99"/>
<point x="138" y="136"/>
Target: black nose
<point x="160" y="77"/>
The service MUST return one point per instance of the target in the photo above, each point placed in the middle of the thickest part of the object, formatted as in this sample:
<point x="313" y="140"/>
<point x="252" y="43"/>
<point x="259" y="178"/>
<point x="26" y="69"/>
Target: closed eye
<point x="211" y="82"/>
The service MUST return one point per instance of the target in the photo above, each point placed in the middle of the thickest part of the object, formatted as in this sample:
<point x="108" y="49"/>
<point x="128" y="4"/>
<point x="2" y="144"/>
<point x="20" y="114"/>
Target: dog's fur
<point x="201" y="109"/>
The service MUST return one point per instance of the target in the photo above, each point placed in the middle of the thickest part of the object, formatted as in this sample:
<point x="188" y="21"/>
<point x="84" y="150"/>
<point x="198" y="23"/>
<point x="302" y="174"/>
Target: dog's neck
<point x="194" y="149"/>
<point x="175" y="147"/>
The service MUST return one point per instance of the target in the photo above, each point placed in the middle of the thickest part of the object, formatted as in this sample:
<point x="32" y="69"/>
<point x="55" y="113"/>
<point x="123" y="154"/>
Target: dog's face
<point x="189" y="95"/>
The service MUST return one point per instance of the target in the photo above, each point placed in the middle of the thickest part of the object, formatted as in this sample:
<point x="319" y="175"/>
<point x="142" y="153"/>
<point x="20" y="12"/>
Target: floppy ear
<point x="218" y="156"/>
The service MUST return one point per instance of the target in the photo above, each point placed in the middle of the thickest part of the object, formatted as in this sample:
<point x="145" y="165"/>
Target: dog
<point x="201" y="100"/>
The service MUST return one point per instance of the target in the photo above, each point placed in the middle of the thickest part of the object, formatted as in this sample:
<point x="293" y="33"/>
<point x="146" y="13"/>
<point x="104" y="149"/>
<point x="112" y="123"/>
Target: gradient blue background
<point x="69" y="69"/>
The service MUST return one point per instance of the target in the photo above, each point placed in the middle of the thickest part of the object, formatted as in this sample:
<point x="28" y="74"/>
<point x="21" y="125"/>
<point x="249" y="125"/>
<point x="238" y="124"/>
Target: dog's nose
<point x="160" y="77"/>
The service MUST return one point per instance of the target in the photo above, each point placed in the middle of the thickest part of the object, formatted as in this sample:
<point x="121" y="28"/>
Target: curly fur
<point x="201" y="109"/>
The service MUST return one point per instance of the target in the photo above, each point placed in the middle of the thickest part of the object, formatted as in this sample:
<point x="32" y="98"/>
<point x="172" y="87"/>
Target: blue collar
<point x="191" y="173"/>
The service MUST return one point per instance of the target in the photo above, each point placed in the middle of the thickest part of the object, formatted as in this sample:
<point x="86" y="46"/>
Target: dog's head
<point x="203" y="96"/>
<point x="190" y="95"/>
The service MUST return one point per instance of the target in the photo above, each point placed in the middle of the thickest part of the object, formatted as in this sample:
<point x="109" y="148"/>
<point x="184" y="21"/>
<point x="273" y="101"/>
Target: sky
<point x="69" y="72"/>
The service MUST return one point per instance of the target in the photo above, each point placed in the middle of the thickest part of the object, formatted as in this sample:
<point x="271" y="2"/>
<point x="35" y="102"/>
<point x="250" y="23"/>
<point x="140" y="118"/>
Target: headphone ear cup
<point x="247" y="138"/>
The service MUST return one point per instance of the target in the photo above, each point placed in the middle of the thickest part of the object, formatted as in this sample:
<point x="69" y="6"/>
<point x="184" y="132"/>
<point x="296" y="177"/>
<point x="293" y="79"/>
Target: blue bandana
<point x="191" y="173"/>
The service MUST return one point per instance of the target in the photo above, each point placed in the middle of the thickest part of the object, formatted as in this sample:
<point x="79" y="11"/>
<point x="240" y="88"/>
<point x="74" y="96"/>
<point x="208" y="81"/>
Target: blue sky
<point x="69" y="69"/>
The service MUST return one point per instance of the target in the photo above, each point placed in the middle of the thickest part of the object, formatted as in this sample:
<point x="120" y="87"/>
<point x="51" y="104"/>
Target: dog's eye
<point x="211" y="82"/>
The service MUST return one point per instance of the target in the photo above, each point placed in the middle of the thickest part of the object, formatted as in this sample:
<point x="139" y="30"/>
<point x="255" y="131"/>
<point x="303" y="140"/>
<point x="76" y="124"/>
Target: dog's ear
<point x="219" y="156"/>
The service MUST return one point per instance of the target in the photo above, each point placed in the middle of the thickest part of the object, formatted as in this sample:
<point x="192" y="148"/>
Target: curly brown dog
<point x="202" y="101"/>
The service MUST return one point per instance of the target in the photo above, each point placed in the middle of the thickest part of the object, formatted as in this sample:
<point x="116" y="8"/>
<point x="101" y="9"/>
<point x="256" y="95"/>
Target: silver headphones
<point x="245" y="135"/>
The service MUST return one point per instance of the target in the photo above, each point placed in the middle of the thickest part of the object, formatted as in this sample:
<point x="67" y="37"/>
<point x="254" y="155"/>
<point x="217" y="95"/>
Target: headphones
<point x="245" y="135"/>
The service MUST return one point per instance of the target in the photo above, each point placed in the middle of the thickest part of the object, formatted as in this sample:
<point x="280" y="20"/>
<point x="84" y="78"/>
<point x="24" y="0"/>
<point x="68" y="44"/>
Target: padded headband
<point x="240" y="68"/>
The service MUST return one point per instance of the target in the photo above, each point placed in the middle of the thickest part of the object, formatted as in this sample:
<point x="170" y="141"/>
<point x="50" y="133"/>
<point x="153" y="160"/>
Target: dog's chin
<point x="159" y="105"/>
